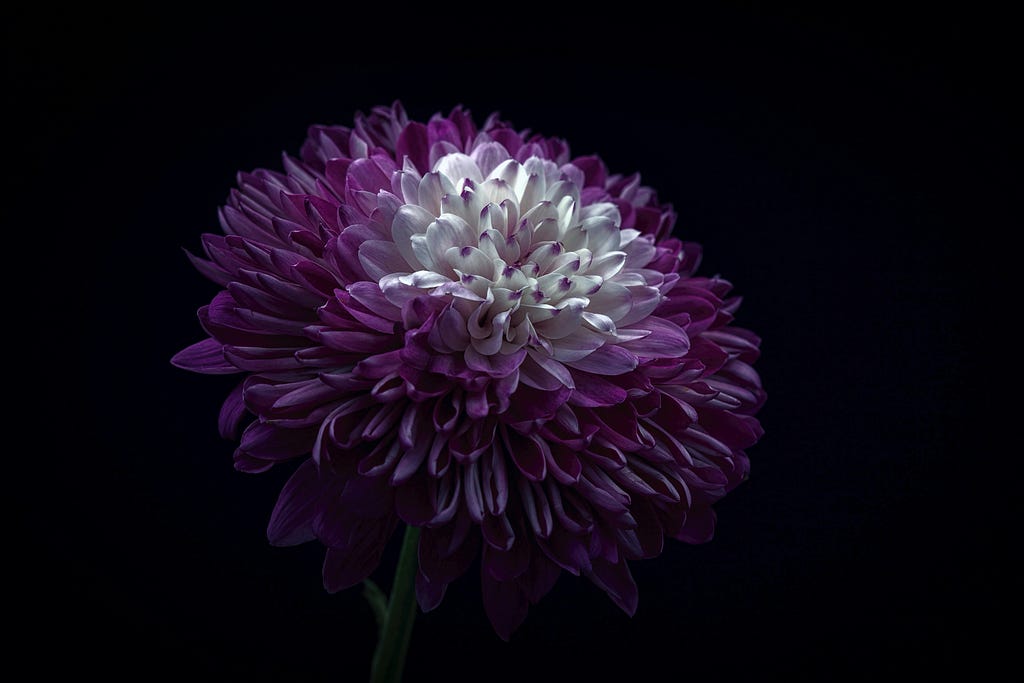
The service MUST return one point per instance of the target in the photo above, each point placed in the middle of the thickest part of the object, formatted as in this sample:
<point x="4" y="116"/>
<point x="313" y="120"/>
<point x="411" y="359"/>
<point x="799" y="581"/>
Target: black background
<point x="835" y="167"/>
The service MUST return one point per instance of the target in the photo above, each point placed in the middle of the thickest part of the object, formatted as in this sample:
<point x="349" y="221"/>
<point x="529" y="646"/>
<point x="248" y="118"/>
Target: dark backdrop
<point x="835" y="169"/>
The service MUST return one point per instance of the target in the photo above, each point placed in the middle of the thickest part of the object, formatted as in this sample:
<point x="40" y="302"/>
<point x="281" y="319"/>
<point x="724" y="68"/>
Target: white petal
<point x="423" y="279"/>
<point x="511" y="172"/>
<point x="612" y="300"/>
<point x="568" y="263"/>
<point x="408" y="186"/>
<point x="489" y="240"/>
<point x="470" y="260"/>
<point x="510" y="207"/>
<point x="602" y="235"/>
<point x="478" y="329"/>
<point x="568" y="318"/>
<point x="467" y="205"/>
<point x="545" y="168"/>
<point x="492" y="218"/>
<point x="627" y="235"/>
<point x="497" y="191"/>
<point x="599" y="322"/>
<point x="639" y="252"/>
<point x="509" y="277"/>
<point x="533" y="191"/>
<point x="446" y="232"/>
<point x="423" y="254"/>
<point x="396" y="292"/>
<point x="603" y="209"/>
<point x="580" y="344"/>
<point x="630" y="278"/>
<point x="535" y="213"/>
<point x="645" y="300"/>
<point x="432" y="188"/>
<point x="409" y="220"/>
<point x="607" y="265"/>
<point x="458" y="166"/>
<point x="584" y="285"/>
<point x="554" y="285"/>
<point x="545" y="254"/>
<point x="380" y="258"/>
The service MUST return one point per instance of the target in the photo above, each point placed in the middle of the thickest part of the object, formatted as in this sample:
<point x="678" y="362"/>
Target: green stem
<point x="389" y="658"/>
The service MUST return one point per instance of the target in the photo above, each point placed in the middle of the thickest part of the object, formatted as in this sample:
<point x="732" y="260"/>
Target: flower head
<point x="469" y="330"/>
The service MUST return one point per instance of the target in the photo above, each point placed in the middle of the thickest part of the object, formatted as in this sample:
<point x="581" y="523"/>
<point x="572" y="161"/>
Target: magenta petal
<point x="367" y="176"/>
<point x="414" y="142"/>
<point x="291" y="522"/>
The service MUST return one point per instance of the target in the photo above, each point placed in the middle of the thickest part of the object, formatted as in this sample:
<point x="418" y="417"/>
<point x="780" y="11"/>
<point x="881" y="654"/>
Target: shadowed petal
<point x="291" y="522"/>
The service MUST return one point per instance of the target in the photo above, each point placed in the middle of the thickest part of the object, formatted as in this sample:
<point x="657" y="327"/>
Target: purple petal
<point x="593" y="391"/>
<point x="291" y="522"/>
<point x="666" y="339"/>
<point x="206" y="357"/>
<point x="607" y="360"/>
<point x="488" y="156"/>
<point x="563" y="465"/>
<point x="505" y="604"/>
<point x="380" y="258"/>
<point x="346" y="566"/>
<point x="429" y="593"/>
<point x="505" y="565"/>
<point x="232" y="413"/>
<point x="366" y="175"/>
<point x="412" y="503"/>
<point x="617" y="581"/>
<point x="414" y="142"/>
<point x="267" y="442"/>
<point x="699" y="526"/>
<point x="530" y="456"/>
<point x="540" y="577"/>
<point x="445" y="553"/>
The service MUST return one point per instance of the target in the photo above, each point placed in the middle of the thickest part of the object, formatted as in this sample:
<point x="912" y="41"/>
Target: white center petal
<point x="524" y="263"/>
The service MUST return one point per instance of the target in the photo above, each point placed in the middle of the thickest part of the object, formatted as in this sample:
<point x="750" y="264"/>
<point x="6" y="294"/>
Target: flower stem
<point x="389" y="658"/>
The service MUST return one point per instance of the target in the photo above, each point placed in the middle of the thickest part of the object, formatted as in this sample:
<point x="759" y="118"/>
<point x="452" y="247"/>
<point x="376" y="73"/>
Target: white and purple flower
<point x="471" y="331"/>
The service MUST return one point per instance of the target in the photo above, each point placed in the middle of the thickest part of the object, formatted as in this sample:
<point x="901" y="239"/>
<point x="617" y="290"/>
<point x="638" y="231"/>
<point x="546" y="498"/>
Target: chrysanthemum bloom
<point x="474" y="332"/>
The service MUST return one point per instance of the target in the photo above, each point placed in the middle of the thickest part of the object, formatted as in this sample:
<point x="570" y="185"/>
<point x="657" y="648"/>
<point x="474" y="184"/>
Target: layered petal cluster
<point x="469" y="330"/>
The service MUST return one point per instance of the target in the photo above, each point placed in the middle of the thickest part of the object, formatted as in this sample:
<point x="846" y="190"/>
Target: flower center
<point x="525" y="261"/>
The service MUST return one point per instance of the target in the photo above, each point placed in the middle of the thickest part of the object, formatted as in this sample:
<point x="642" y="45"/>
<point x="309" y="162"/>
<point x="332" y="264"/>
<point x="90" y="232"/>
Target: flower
<point x="471" y="331"/>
